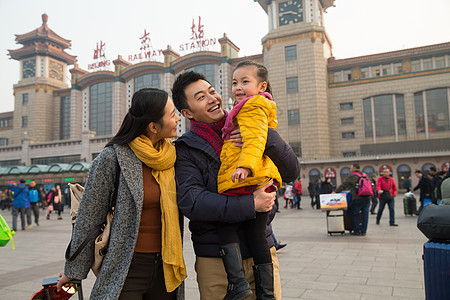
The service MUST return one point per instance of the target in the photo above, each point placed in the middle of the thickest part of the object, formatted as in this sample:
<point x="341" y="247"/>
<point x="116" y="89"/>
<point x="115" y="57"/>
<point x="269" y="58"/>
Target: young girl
<point x="245" y="169"/>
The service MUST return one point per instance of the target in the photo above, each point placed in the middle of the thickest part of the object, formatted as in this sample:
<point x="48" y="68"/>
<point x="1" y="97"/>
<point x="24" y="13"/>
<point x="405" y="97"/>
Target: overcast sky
<point x="355" y="27"/>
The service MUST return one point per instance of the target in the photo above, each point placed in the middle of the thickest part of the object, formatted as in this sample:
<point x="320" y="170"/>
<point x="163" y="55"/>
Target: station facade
<point x="383" y="110"/>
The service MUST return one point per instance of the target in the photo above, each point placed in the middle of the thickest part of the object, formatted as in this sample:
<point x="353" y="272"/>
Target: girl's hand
<point x="236" y="138"/>
<point x="63" y="281"/>
<point x="240" y="174"/>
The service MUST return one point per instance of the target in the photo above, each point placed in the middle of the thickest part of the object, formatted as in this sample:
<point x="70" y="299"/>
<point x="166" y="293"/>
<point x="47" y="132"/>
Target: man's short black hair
<point x="433" y="169"/>
<point x="180" y="84"/>
<point x="356" y="166"/>
<point x="418" y="171"/>
<point x="22" y="180"/>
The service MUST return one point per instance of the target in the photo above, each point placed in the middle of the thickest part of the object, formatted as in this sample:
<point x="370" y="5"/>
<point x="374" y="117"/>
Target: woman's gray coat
<point x="94" y="206"/>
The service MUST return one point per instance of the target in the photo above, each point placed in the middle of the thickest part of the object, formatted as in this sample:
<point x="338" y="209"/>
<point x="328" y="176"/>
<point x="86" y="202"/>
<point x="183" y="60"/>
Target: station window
<point x="290" y="52"/>
<point x="439" y="62"/>
<point x="349" y="154"/>
<point x="297" y="148"/>
<point x="24" y="121"/>
<point x="397" y="68"/>
<point x="3" y="142"/>
<point x="364" y="73"/>
<point x="346" y="106"/>
<point x="337" y="76"/>
<point x="293" y="117"/>
<point x="415" y="65"/>
<point x="348" y="135"/>
<point x="25" y="99"/>
<point x="292" y="84"/>
<point x="347" y="75"/>
<point x="347" y="121"/>
<point x="427" y="63"/>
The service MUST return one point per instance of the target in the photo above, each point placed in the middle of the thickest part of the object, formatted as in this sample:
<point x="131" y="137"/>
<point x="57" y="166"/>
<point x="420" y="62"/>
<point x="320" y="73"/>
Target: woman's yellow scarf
<point x="161" y="159"/>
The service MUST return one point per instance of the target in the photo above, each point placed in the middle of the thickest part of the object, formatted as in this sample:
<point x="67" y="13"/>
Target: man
<point x="426" y="188"/>
<point x="20" y="195"/>
<point x="33" y="194"/>
<point x="196" y="171"/>
<point x="358" y="203"/>
<point x="386" y="183"/>
<point x="297" y="193"/>
<point x="316" y="192"/>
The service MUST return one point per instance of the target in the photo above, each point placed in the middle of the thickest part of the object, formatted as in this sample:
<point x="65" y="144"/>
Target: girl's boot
<point x="264" y="281"/>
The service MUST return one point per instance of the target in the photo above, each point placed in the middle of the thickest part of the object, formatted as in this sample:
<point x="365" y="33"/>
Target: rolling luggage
<point x="335" y="222"/>
<point x="409" y="204"/>
<point x="436" y="266"/>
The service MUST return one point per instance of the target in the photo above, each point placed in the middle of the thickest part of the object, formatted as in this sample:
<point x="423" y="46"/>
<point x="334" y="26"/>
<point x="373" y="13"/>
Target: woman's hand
<point x="63" y="282"/>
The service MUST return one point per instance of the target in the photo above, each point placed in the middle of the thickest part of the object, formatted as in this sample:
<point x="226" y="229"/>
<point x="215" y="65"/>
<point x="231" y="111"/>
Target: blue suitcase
<point x="436" y="269"/>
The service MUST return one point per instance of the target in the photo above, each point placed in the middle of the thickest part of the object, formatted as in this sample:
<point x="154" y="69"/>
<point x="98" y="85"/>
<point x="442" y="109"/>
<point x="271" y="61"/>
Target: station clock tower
<point x="295" y="50"/>
<point x="43" y="66"/>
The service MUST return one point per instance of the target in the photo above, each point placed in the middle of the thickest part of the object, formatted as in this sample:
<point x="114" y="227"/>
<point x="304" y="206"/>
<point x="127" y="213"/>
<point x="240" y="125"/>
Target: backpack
<point x="364" y="185"/>
<point x="6" y="233"/>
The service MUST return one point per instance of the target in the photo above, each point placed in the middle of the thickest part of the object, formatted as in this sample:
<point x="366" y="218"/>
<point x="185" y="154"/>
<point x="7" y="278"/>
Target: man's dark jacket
<point x="196" y="170"/>
<point x="350" y="184"/>
<point x="426" y="187"/>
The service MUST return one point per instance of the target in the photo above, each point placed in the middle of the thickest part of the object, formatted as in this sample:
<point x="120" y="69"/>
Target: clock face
<point x="56" y="70"/>
<point x="29" y="68"/>
<point x="290" y="12"/>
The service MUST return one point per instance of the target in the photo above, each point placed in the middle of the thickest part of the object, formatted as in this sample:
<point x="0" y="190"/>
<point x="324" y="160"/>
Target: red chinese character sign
<point x="385" y="167"/>
<point x="445" y="167"/>
<point x="100" y="61"/>
<point x="147" y="53"/>
<point x="198" y="41"/>
<point x="330" y="173"/>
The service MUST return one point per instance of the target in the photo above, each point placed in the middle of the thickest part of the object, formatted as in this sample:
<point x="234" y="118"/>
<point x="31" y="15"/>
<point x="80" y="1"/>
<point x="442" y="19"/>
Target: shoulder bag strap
<point x="99" y="228"/>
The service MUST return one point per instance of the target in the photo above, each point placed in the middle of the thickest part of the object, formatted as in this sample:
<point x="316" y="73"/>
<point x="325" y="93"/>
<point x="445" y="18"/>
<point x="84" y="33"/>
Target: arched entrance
<point x="344" y="173"/>
<point x="403" y="172"/>
<point x="313" y="175"/>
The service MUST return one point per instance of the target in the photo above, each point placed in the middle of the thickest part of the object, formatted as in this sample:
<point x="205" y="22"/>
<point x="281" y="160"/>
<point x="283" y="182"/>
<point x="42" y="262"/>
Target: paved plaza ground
<point x="384" y="264"/>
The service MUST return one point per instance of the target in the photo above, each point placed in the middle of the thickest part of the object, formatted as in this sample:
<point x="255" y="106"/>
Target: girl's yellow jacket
<point x="253" y="119"/>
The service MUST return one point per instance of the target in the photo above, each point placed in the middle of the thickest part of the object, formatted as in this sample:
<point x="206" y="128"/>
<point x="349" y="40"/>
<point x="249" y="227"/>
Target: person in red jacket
<point x="386" y="190"/>
<point x="297" y="189"/>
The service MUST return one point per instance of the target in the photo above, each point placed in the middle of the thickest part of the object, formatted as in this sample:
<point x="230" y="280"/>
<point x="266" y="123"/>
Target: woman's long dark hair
<point x="147" y="106"/>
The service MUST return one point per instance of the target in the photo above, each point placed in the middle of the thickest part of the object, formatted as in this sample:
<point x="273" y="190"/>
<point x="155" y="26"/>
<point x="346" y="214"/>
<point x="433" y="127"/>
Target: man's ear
<point x="187" y="113"/>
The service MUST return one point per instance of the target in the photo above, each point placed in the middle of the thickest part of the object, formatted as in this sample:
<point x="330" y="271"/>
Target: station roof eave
<point x="44" y="50"/>
<point x="79" y="167"/>
<point x="57" y="168"/>
<point x="43" y="33"/>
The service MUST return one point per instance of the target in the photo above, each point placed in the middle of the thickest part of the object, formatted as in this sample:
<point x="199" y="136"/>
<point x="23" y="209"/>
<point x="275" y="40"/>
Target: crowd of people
<point x="25" y="201"/>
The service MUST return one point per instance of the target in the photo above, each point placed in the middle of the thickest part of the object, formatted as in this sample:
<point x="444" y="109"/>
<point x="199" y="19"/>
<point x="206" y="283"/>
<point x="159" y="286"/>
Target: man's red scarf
<point x="211" y="132"/>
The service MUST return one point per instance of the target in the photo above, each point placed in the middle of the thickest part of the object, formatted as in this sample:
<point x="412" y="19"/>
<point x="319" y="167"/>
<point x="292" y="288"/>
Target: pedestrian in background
<point x="33" y="194"/>
<point x="386" y="191"/>
<point x="359" y="203"/>
<point x="19" y="204"/>
<point x="297" y="193"/>
<point x="408" y="184"/>
<point x="426" y="188"/>
<point x="4" y="199"/>
<point x="316" y="192"/>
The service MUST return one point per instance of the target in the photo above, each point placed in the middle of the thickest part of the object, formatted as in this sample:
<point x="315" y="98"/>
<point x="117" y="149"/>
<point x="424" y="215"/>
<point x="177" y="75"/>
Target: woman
<point x="326" y="187"/>
<point x="144" y="259"/>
